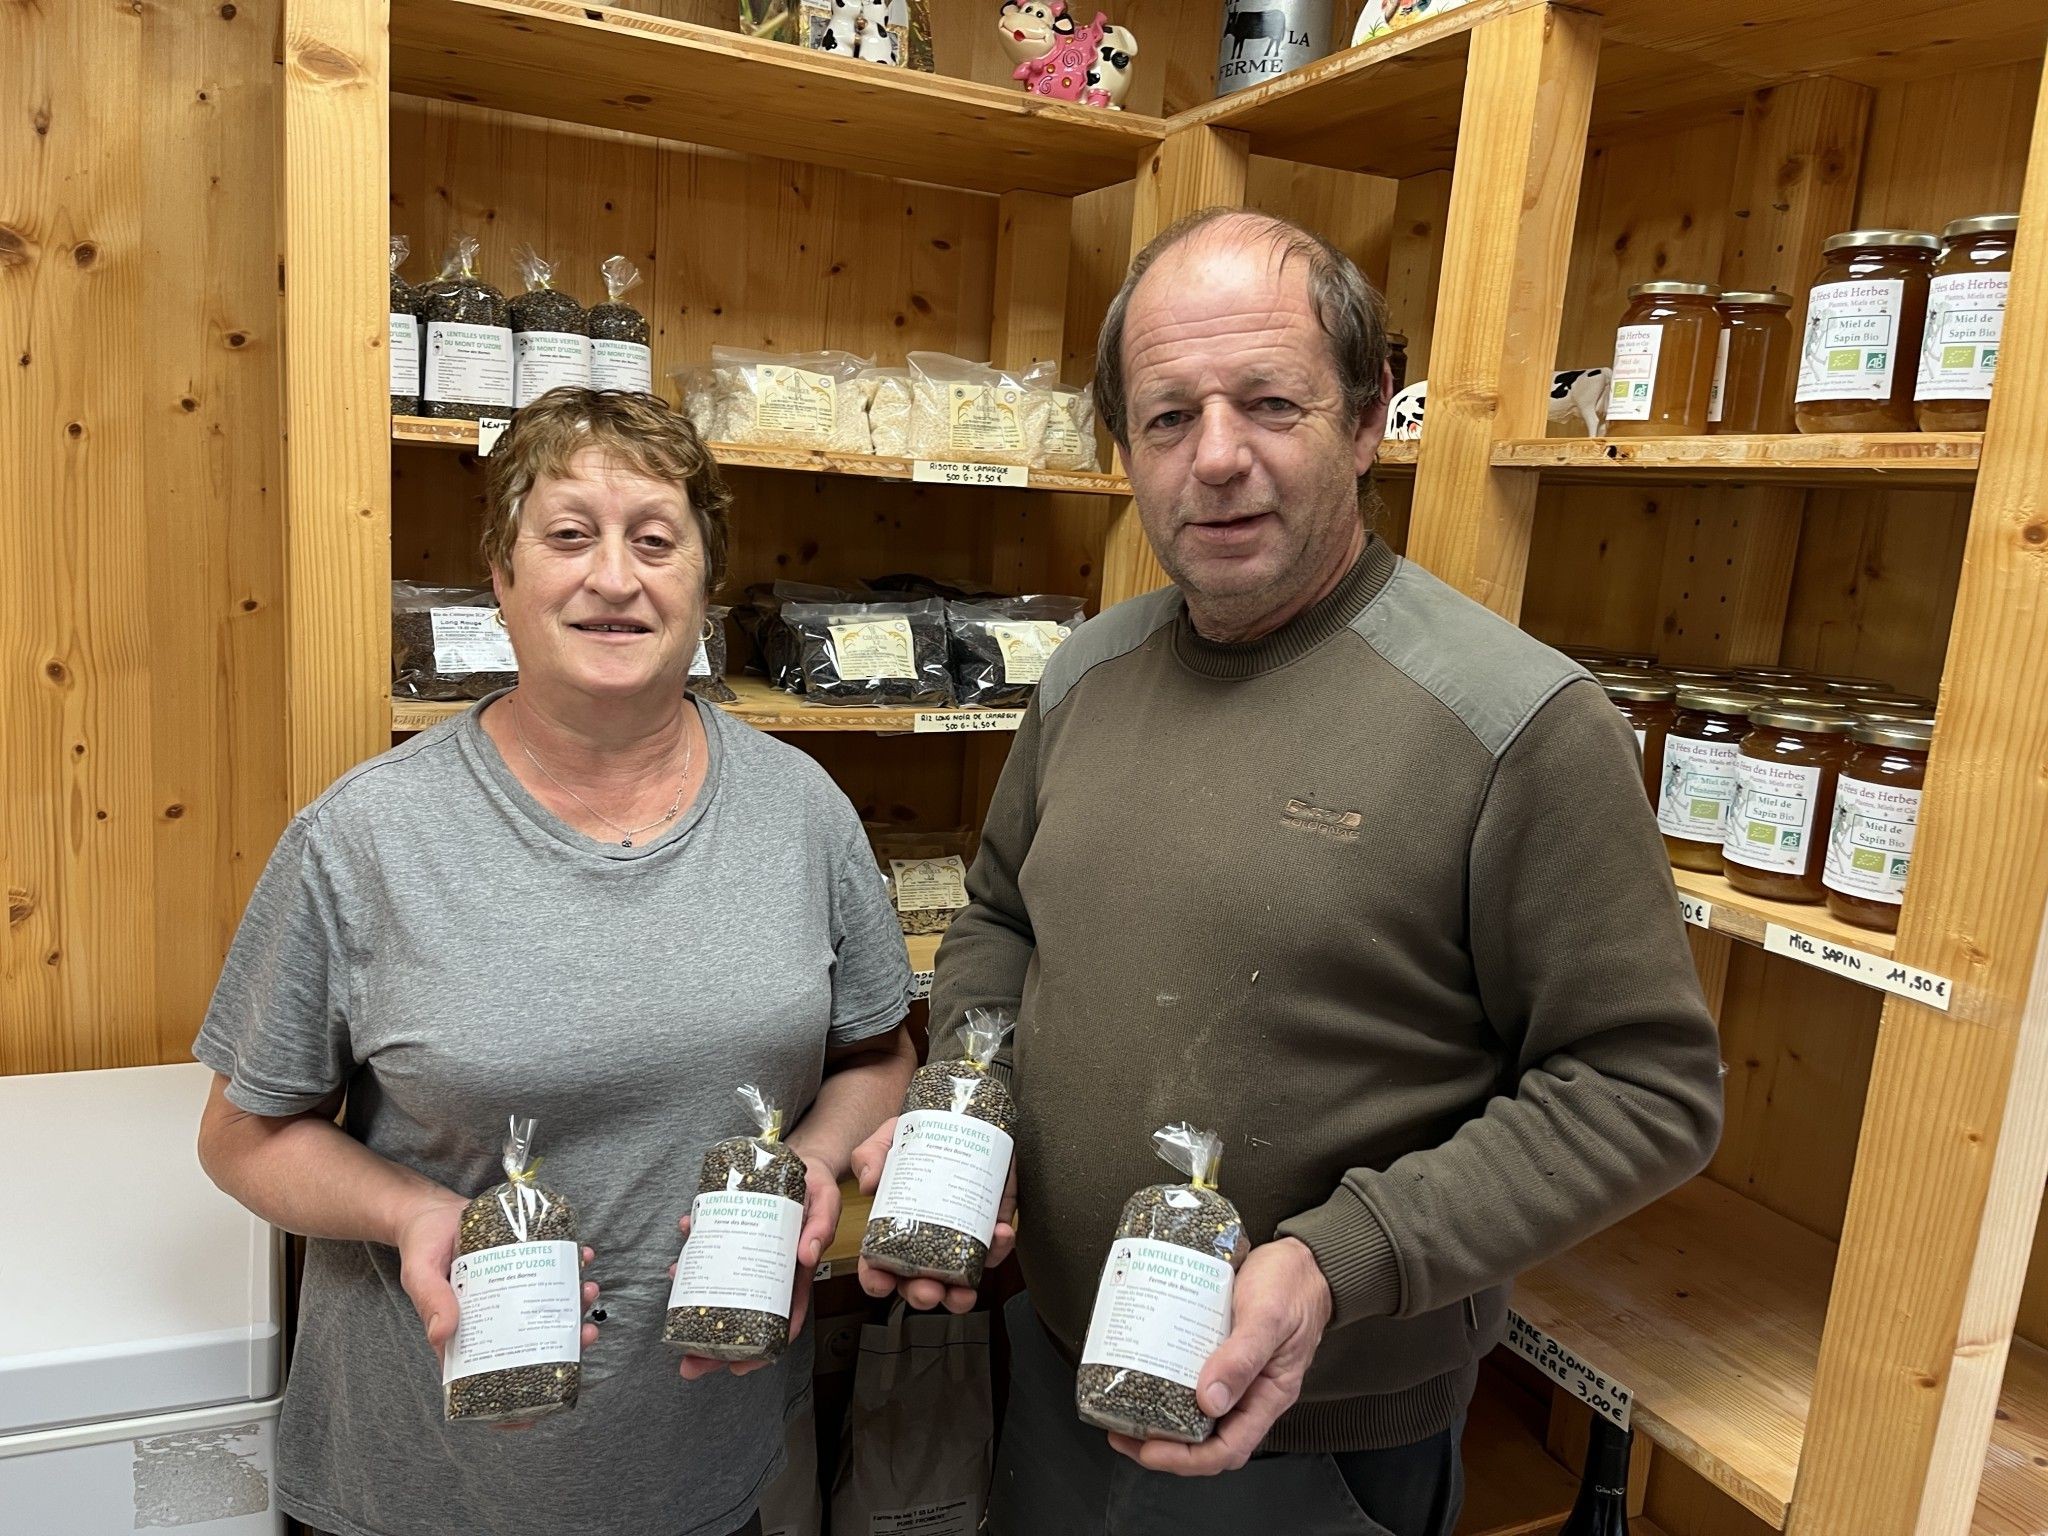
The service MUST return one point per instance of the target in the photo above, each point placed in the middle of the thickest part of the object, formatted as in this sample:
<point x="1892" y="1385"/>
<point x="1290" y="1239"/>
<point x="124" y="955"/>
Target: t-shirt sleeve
<point x="278" y="1026"/>
<point x="870" y="967"/>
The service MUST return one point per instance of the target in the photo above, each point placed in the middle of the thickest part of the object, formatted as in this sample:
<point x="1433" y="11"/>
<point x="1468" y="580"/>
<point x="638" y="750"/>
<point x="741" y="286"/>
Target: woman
<point x="590" y="899"/>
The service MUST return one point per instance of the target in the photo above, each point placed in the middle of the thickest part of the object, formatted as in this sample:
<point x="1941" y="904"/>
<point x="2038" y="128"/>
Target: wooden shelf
<point x="767" y="709"/>
<point x="1513" y="1486"/>
<point x="1896" y="459"/>
<point x="421" y="431"/>
<point x="699" y="85"/>
<point x="1709" y="1308"/>
<point x="1745" y="917"/>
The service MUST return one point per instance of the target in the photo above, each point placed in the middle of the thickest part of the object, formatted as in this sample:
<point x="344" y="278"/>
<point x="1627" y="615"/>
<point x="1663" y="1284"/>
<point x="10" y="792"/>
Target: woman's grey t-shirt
<point x="429" y="936"/>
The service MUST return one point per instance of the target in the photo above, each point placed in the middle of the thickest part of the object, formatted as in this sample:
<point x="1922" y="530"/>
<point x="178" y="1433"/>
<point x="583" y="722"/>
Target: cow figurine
<point x="859" y="29"/>
<point x="1053" y="55"/>
<point x="1574" y="392"/>
<point x="1109" y="77"/>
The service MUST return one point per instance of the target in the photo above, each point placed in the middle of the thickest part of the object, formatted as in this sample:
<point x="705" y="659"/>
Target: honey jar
<point x="1858" y="359"/>
<point x="1648" y="704"/>
<point x="1784" y="798"/>
<point x="1877" y="808"/>
<point x="1752" y="389"/>
<point x="1664" y="361"/>
<point x="1965" y="320"/>
<point x="1696" y="778"/>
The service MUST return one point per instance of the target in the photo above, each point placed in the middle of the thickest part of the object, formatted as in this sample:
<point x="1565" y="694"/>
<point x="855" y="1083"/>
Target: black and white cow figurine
<point x="1574" y="393"/>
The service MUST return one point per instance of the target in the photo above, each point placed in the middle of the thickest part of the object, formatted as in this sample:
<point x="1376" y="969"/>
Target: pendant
<point x="625" y="842"/>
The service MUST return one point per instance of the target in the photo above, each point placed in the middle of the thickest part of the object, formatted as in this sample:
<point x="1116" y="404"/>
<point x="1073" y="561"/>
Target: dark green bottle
<point x="1601" y="1508"/>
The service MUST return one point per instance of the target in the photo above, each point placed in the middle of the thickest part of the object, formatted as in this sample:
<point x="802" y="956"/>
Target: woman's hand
<point x="821" y="1220"/>
<point x="922" y="1294"/>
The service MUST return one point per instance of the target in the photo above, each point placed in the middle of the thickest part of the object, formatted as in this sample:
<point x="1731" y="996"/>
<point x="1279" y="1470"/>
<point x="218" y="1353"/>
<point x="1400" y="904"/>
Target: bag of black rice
<point x="619" y="334"/>
<point x="999" y="645"/>
<point x="878" y="653"/>
<point x="518" y="1346"/>
<point x="405" y="335"/>
<point x="777" y="652"/>
<point x="1163" y="1305"/>
<point x="737" y="1273"/>
<point x="466" y="368"/>
<point x="942" y="1187"/>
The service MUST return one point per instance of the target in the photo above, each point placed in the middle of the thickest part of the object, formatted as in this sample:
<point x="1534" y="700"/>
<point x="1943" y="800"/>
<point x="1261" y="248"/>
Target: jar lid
<point x="1763" y="296"/>
<point x="1856" y="685"/>
<point x="1700" y="674"/>
<point x="1674" y="290"/>
<point x="1911" y="734"/>
<point x="1772" y="674"/>
<point x="1720" y="701"/>
<point x="1981" y="224"/>
<point x="1639" y="690"/>
<point x="1397" y="339"/>
<point x="1884" y="698"/>
<point x="1794" y="715"/>
<point x="1885" y="239"/>
<point x="1894" y="712"/>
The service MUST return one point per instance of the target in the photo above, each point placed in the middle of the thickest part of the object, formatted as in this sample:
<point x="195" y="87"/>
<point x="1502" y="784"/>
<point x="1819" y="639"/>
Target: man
<point x="1310" y="850"/>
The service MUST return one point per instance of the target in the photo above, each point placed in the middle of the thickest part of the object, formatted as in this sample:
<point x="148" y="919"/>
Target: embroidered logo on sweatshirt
<point x="1342" y="825"/>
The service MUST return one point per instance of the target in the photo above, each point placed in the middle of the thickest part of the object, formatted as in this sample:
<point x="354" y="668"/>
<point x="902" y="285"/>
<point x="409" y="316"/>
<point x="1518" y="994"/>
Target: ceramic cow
<point x="1579" y="393"/>
<point x="1053" y="54"/>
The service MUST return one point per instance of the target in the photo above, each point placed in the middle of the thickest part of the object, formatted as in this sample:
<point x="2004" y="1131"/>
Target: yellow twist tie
<point x="527" y="1174"/>
<point x="774" y="1132"/>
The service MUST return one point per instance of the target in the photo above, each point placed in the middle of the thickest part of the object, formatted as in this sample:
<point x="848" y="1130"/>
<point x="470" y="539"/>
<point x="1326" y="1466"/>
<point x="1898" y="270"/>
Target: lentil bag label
<point x="405" y="354"/>
<point x="545" y="360"/>
<point x="875" y="648"/>
<point x="1161" y="1309"/>
<point x="468" y="364"/>
<point x="625" y="365"/>
<point x="520" y="1304"/>
<point x="945" y="1168"/>
<point x="741" y="1253"/>
<point x="1852" y="333"/>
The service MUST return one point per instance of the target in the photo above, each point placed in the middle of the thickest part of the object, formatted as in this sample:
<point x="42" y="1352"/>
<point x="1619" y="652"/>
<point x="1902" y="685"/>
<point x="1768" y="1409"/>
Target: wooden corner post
<point x="1954" y="1147"/>
<point x="1514" y="193"/>
<point x="1193" y="169"/>
<point x="334" y="217"/>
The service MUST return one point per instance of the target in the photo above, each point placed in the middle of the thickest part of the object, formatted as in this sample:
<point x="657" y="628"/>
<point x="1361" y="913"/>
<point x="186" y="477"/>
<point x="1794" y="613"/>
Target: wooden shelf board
<point x="672" y="80"/>
<point x="764" y="708"/>
<point x="1743" y="917"/>
<point x="1898" y="459"/>
<point x="421" y="431"/>
<point x="1709" y="1308"/>
<point x="1513" y="1486"/>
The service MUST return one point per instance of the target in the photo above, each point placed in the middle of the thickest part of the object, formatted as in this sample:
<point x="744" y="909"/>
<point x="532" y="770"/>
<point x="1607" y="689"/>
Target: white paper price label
<point x="488" y="430"/>
<point x="920" y="985"/>
<point x="954" y="472"/>
<point x="1699" y="913"/>
<point x="945" y="722"/>
<point x="1605" y="1396"/>
<point x="1872" y="970"/>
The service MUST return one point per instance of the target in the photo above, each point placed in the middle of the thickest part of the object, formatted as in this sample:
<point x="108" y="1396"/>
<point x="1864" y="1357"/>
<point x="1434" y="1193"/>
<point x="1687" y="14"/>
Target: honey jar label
<point x="1636" y="349"/>
<point x="1852" y="334"/>
<point x="1697" y="784"/>
<point x="1770" y="820"/>
<point x="1716" y="395"/>
<point x="1965" y="321"/>
<point x="1870" y="845"/>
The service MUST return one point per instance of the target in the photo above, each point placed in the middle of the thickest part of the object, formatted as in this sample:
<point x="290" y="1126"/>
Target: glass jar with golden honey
<point x="1965" y="321"/>
<point x="1784" y="798"/>
<point x="1696" y="776"/>
<point x="1664" y="361"/>
<point x="1858" y="358"/>
<point x="1648" y="704"/>
<point x="1752" y="389"/>
<point x="1877" y="809"/>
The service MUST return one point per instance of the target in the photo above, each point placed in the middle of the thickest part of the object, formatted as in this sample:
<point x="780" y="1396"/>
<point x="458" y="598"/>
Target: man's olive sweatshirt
<point x="1378" y="897"/>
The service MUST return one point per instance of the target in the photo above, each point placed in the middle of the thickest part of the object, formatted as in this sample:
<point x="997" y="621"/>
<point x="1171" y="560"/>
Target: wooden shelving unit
<point x="1738" y="915"/>
<point x="1915" y="460"/>
<point x="769" y="709"/>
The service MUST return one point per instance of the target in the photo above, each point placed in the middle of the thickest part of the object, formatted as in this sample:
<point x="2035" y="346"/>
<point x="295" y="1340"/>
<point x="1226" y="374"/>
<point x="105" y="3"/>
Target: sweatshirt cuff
<point x="1356" y="1255"/>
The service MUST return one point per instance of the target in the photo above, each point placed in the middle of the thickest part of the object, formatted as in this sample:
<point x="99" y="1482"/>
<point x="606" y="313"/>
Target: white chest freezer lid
<point x="129" y="1284"/>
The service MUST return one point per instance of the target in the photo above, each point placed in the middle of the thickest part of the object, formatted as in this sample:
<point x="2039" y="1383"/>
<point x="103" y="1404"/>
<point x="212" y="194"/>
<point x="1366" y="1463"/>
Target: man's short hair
<point x="1348" y="308"/>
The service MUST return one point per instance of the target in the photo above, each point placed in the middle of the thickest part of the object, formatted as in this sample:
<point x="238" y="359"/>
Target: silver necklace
<point x="626" y="834"/>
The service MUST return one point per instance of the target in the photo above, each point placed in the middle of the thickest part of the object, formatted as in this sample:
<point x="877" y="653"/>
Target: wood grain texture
<point x="1422" y="206"/>
<point x="1954" y="1151"/>
<point x="1871" y="459"/>
<point x="1034" y="231"/>
<point x="1509" y="237"/>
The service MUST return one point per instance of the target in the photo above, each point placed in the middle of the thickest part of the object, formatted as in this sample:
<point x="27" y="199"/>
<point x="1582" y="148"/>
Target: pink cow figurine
<point x="1055" y="57"/>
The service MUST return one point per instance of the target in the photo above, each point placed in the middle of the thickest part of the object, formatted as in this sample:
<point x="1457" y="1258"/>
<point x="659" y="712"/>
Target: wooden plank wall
<point x="141" y="739"/>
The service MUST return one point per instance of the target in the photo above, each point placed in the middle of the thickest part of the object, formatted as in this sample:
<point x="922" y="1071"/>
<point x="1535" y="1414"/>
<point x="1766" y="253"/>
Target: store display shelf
<point x="1746" y="917"/>
<point x="1513" y="1486"/>
<point x="644" y="74"/>
<point x="1398" y="458"/>
<point x="422" y="431"/>
<point x="770" y="709"/>
<point x="1895" y="459"/>
<point x="924" y="959"/>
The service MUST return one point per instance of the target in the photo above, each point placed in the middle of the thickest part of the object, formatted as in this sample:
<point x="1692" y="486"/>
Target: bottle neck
<point x="1607" y="1453"/>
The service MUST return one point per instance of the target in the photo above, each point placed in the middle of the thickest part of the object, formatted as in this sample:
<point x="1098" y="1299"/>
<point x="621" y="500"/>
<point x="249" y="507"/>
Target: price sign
<point x="952" y="472"/>
<point x="1699" y="913"/>
<point x="488" y="430"/>
<point x="920" y="985"/>
<point x="931" y="722"/>
<point x="1858" y="965"/>
<point x="1605" y="1396"/>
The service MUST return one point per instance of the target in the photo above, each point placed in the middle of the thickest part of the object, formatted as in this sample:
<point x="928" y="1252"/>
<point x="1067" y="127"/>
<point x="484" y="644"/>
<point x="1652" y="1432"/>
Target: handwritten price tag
<point x="1872" y="970"/>
<point x="488" y="430"/>
<point x="1699" y="913"/>
<point x="1606" y="1397"/>
<point x="945" y="722"/>
<point x="950" y="472"/>
<point x="920" y="985"/>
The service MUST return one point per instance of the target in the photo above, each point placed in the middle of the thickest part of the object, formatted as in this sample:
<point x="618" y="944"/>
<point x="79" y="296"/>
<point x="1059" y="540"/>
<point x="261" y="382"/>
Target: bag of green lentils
<point x="942" y="1187"/>
<point x="518" y="1346"/>
<point x="1163" y="1305"/>
<point x="737" y="1273"/>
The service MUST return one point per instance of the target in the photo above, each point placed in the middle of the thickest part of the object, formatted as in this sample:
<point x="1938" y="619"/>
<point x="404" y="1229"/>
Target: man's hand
<point x="821" y="1220"/>
<point x="1279" y="1309"/>
<point x="868" y="1159"/>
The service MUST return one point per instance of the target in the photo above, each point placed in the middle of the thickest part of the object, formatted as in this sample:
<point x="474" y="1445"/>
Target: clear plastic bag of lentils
<point x="620" y="357"/>
<point x="737" y="1273"/>
<point x="942" y="1187"/>
<point x="518" y="1346"/>
<point x="1163" y="1305"/>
